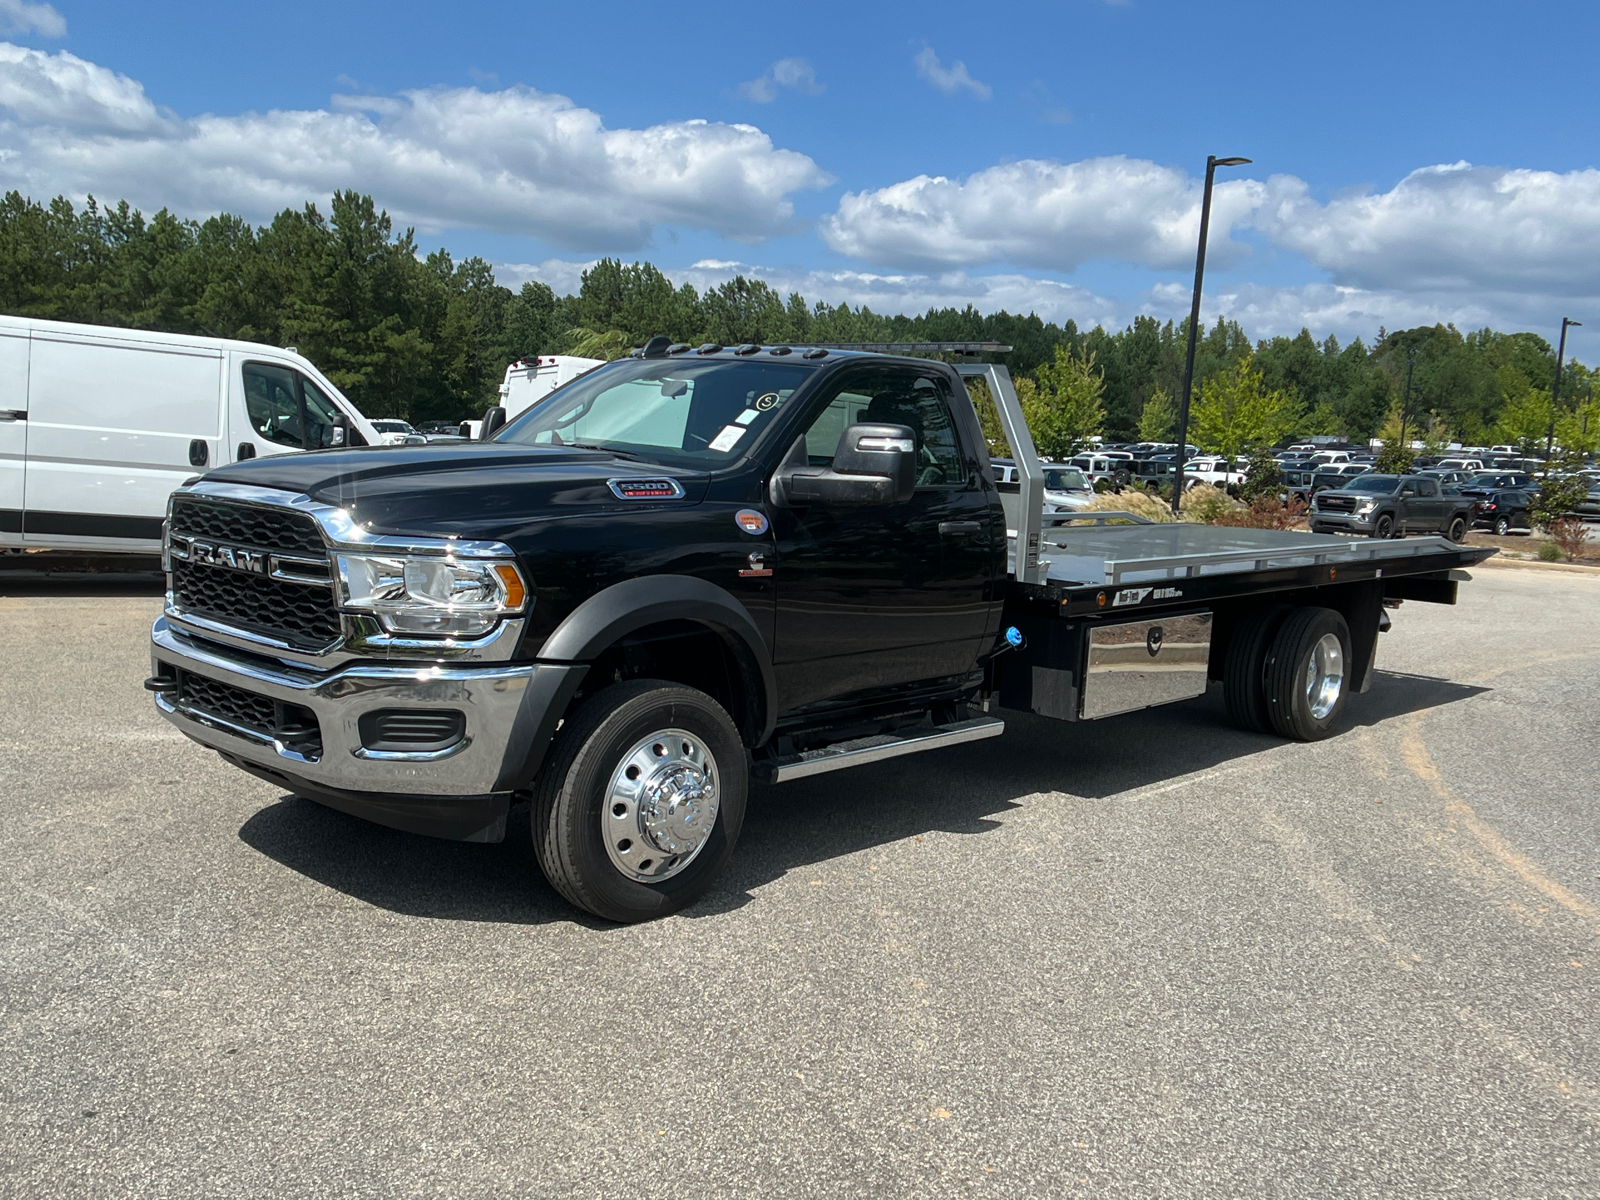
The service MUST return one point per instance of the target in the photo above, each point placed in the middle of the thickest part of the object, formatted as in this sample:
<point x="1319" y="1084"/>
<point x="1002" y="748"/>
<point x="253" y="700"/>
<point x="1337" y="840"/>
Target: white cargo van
<point x="529" y="380"/>
<point x="99" y="425"/>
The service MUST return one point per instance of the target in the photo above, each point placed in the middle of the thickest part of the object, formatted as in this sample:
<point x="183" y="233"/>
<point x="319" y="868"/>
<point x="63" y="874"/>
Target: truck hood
<point x="475" y="489"/>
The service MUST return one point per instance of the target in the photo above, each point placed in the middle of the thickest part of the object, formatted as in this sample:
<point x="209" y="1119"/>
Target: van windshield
<point x="679" y="412"/>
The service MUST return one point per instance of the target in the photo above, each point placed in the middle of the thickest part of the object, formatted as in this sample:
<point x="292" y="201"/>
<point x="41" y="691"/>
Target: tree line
<point x="425" y="337"/>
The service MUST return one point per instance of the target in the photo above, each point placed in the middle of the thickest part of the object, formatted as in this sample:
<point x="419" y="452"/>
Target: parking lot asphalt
<point x="1149" y="956"/>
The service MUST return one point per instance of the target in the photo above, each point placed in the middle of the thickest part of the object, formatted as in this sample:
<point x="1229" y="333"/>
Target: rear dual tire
<point x="1287" y="672"/>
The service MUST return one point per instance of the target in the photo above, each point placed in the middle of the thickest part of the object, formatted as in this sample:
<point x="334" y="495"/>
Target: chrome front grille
<point x="246" y="525"/>
<point x="301" y="615"/>
<point x="257" y="569"/>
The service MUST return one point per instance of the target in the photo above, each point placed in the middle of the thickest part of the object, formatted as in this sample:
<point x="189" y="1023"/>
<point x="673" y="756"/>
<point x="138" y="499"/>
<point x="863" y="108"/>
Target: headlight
<point x="1366" y="506"/>
<point x="433" y="594"/>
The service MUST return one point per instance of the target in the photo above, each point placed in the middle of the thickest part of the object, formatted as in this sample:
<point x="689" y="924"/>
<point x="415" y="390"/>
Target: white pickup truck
<point x="1212" y="469"/>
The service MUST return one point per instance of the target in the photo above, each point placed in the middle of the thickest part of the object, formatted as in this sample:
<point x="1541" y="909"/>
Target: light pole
<point x="1212" y="163"/>
<point x="1405" y="403"/>
<point x="1555" y="392"/>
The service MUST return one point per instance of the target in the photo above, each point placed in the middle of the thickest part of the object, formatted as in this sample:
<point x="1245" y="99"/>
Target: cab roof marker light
<point x="710" y="348"/>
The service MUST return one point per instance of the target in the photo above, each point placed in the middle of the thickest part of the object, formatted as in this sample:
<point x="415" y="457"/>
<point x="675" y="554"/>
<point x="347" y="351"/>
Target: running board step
<point x="875" y="748"/>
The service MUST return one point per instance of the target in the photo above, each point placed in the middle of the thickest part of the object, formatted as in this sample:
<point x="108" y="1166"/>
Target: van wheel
<point x="641" y="802"/>
<point x="1457" y="531"/>
<point x="1308" y="674"/>
<point x="1243" y="682"/>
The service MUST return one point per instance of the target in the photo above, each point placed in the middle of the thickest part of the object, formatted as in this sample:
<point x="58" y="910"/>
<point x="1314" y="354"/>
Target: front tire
<point x="1384" y="528"/>
<point x="1307" y="674"/>
<point x="641" y="801"/>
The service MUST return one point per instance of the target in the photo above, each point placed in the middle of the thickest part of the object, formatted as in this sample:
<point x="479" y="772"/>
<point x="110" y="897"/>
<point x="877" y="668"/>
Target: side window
<point x="271" y="398"/>
<point x="892" y="396"/>
<point x="1426" y="487"/>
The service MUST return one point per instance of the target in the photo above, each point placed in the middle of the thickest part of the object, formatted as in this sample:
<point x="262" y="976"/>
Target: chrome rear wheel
<point x="1324" y="676"/>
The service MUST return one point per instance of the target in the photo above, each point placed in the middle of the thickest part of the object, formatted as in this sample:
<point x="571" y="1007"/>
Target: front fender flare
<point x="620" y="609"/>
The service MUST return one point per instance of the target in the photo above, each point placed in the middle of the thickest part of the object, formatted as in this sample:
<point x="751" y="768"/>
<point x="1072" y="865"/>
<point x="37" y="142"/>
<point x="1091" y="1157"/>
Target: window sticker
<point x="768" y="402"/>
<point x="728" y="438"/>
<point x="748" y="415"/>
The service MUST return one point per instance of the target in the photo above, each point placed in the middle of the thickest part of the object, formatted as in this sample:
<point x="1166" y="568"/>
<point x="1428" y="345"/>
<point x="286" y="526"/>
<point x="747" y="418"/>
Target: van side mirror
<point x="337" y="435"/>
<point x="872" y="465"/>
<point x="493" y="421"/>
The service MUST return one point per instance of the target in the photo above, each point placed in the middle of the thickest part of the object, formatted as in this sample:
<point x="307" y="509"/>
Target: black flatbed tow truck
<point x="701" y="565"/>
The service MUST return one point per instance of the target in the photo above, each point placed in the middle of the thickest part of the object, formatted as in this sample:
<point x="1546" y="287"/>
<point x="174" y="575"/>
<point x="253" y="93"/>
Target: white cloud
<point x="514" y="160"/>
<point x="951" y="79"/>
<point x="1043" y="215"/>
<point x="19" y="16"/>
<point x="796" y="74"/>
<point x="912" y="294"/>
<point x="1449" y="227"/>
<point x="65" y="92"/>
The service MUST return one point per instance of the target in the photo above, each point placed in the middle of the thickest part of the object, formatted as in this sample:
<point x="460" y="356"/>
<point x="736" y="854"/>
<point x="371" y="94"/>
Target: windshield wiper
<point x="607" y="450"/>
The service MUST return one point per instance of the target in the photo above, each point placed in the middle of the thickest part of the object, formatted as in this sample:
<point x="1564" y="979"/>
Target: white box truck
<point x="99" y="425"/>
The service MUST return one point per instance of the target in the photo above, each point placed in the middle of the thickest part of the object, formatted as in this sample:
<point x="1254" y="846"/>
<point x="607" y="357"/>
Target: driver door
<point x="880" y="596"/>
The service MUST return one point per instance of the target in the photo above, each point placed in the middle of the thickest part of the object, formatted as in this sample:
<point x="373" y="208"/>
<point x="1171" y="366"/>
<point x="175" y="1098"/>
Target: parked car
<point x="398" y="433"/>
<point x="1448" y="476"/>
<point x="1385" y="506"/>
<point x="1460" y="464"/>
<point x="1005" y="470"/>
<point x="1334" y="476"/>
<point x="1501" y="511"/>
<point x="1297" y="483"/>
<point x="1155" y="471"/>
<point x="1116" y="471"/>
<point x="1211" y="469"/>
<point x="1066" y="489"/>
<point x="99" y="425"/>
<point x="1485" y="482"/>
<point x="1589" y="506"/>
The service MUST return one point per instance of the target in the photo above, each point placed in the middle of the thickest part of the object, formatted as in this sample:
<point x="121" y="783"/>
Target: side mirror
<point x="336" y="435"/>
<point x="493" y="421"/>
<point x="872" y="465"/>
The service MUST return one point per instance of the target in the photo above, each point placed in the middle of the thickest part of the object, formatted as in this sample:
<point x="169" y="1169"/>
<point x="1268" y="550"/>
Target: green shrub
<point x="1263" y="477"/>
<point x="1394" y="459"/>
<point x="1559" y="496"/>
<point x="1549" y="551"/>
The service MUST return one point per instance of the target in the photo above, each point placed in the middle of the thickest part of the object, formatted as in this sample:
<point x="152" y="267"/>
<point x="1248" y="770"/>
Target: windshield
<point x="680" y="412"/>
<point x="1060" y="479"/>
<point x="1382" y="484"/>
<point x="391" y="427"/>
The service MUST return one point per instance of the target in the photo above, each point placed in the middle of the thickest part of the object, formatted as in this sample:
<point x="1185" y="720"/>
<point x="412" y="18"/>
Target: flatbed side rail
<point x="1190" y="566"/>
<point x="1027" y="566"/>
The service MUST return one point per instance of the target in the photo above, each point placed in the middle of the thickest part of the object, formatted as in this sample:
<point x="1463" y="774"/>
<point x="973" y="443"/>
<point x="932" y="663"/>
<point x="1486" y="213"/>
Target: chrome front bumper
<point x="507" y="708"/>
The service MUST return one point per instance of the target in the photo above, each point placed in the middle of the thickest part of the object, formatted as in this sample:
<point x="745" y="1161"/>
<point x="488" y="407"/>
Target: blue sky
<point x="1038" y="156"/>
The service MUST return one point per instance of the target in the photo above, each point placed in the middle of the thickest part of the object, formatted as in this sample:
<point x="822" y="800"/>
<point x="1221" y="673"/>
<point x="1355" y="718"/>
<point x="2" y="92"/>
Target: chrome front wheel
<point x="661" y="806"/>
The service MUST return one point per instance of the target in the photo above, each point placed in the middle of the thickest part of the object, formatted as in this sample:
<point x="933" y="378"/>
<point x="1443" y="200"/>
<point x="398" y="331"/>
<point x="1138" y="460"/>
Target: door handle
<point x="950" y="528"/>
<point x="13" y="414"/>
